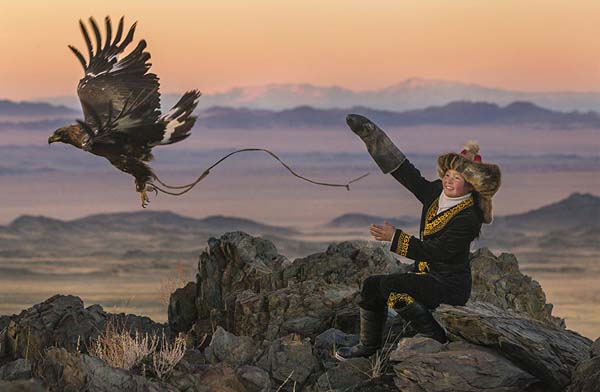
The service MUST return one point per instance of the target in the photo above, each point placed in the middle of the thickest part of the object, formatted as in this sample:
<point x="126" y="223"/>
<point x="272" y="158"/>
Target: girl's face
<point x="455" y="185"/>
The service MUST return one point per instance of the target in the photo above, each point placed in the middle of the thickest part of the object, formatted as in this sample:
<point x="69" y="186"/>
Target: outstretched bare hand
<point x="383" y="233"/>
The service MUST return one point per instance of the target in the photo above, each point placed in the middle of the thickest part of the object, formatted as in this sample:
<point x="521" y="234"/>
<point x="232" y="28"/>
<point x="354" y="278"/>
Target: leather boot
<point x="422" y="321"/>
<point x="371" y="331"/>
<point x="385" y="154"/>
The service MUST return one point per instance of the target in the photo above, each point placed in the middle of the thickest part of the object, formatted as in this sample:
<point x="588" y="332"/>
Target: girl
<point x="454" y="208"/>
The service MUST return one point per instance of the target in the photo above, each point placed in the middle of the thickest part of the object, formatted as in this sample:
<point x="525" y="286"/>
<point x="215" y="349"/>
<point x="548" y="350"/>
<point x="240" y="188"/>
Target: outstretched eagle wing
<point x="117" y="95"/>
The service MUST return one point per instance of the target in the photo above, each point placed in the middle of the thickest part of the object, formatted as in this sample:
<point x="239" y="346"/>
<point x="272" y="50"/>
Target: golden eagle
<point x="121" y="106"/>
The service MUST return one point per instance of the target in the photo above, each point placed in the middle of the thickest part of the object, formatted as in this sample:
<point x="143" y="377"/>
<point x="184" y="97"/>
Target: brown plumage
<point x="121" y="106"/>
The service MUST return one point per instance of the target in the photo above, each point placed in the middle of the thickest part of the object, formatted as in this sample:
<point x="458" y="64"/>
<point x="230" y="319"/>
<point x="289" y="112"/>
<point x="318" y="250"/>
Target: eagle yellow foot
<point x="145" y="199"/>
<point x="144" y="195"/>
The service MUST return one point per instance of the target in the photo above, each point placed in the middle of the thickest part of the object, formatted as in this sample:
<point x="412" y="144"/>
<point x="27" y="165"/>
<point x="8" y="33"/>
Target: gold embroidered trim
<point x="423" y="267"/>
<point x="403" y="242"/>
<point x="396" y="298"/>
<point x="438" y="223"/>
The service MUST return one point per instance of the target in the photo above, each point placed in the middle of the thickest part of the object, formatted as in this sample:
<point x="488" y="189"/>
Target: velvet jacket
<point x="442" y="248"/>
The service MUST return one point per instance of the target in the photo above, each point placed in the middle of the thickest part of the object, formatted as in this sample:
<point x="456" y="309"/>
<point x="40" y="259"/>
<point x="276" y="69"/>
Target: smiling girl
<point x="454" y="208"/>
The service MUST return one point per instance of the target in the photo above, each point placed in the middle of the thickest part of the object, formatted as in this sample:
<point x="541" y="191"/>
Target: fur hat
<point x="484" y="177"/>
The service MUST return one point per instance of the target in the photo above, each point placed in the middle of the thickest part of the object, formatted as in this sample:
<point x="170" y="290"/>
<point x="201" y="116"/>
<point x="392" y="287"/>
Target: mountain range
<point x="412" y="93"/>
<point x="460" y="113"/>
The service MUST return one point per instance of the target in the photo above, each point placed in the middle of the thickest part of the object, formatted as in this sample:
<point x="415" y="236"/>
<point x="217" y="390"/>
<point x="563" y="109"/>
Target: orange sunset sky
<point x="531" y="45"/>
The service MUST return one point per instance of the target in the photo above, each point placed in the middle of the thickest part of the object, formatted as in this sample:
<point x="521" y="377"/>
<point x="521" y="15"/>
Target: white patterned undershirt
<point x="446" y="202"/>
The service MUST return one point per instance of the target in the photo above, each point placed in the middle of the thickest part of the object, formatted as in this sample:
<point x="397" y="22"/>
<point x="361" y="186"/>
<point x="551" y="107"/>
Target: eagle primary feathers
<point x="121" y="105"/>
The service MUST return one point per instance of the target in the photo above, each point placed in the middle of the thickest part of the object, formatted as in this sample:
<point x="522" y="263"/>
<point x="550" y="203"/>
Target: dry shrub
<point x="169" y="355"/>
<point x="118" y="348"/>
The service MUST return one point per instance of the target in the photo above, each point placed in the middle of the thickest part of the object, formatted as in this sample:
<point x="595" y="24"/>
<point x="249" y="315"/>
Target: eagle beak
<point x="53" y="138"/>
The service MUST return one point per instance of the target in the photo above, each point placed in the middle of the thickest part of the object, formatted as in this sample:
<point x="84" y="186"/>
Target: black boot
<point x="422" y="321"/>
<point x="384" y="152"/>
<point x="371" y="331"/>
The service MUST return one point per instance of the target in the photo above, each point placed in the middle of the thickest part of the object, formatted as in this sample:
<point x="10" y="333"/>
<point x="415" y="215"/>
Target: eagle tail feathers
<point x="178" y="121"/>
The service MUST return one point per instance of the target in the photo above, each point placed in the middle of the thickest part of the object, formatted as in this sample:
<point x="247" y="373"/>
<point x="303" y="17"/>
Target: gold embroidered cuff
<point x="401" y="299"/>
<point x="403" y="242"/>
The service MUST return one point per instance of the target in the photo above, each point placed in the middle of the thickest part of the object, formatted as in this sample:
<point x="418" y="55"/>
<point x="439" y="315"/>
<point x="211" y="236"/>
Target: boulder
<point x="345" y="375"/>
<point x="182" y="310"/>
<point x="64" y="371"/>
<point x="254" y="378"/>
<point x="289" y="360"/>
<point x="333" y="338"/>
<point x="235" y="350"/>
<point x="420" y="365"/>
<point x="16" y="370"/>
<point x="498" y="281"/>
<point x="63" y="321"/>
<point x="548" y="352"/>
<point x="221" y="377"/>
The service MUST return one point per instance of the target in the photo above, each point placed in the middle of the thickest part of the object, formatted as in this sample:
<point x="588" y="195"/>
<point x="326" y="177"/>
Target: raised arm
<point x="390" y="159"/>
<point x="411" y="178"/>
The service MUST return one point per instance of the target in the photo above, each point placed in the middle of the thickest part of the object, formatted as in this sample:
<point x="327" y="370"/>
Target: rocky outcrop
<point x="498" y="281"/>
<point x="548" y="352"/>
<point x="256" y="321"/>
<point x="63" y="321"/>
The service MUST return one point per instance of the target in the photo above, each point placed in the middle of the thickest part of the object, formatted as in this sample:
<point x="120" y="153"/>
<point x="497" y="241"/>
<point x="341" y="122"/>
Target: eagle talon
<point x="144" y="198"/>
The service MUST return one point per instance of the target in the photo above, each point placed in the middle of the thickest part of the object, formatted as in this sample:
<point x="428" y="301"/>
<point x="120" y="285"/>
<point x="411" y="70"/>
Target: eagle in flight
<point x="121" y="106"/>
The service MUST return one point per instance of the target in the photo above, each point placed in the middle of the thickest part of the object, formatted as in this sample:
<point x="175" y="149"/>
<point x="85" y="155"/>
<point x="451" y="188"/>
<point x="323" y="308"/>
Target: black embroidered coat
<point x="442" y="248"/>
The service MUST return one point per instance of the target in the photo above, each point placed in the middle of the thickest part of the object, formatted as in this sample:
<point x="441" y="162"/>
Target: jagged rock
<point x="254" y="378"/>
<point x="232" y="264"/>
<point x="595" y="351"/>
<point x="548" y="352"/>
<point x="289" y="358"/>
<point x="16" y="370"/>
<point x="182" y="311"/>
<point x="64" y="371"/>
<point x="497" y="280"/>
<point x="345" y="375"/>
<point x="346" y="263"/>
<point x="454" y="367"/>
<point x="235" y="350"/>
<point x="305" y="308"/>
<point x="32" y="385"/>
<point x="334" y="338"/>
<point x="586" y="376"/>
<point x="63" y="321"/>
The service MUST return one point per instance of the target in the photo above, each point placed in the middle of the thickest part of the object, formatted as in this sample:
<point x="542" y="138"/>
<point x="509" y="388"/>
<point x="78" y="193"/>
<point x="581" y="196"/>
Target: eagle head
<point x="71" y="134"/>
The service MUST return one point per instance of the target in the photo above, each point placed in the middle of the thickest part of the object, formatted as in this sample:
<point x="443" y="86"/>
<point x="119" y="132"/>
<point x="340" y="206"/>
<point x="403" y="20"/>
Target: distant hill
<point x="140" y="222"/>
<point x="579" y="209"/>
<point x="453" y="114"/>
<point x="364" y="220"/>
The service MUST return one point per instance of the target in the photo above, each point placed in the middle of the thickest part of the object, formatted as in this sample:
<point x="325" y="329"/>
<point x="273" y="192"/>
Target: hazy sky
<point x="531" y="45"/>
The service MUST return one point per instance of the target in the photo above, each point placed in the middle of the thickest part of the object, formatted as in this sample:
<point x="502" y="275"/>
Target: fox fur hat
<point x="484" y="177"/>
